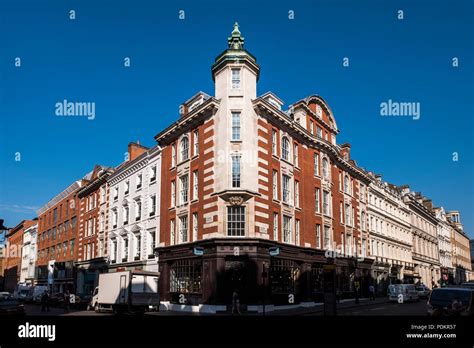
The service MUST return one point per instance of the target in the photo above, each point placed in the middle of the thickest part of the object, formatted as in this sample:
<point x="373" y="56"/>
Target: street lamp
<point x="3" y="231"/>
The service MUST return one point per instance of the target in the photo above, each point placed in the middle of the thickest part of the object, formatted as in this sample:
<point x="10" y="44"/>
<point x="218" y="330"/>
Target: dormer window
<point x="274" y="102"/>
<point x="235" y="78"/>
<point x="195" y="104"/>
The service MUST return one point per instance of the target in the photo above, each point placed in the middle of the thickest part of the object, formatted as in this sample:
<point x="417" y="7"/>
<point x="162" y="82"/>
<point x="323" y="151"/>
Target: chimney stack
<point x="135" y="150"/>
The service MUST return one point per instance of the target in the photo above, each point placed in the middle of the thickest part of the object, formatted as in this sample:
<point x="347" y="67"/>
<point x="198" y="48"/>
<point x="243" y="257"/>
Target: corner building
<point x="241" y="175"/>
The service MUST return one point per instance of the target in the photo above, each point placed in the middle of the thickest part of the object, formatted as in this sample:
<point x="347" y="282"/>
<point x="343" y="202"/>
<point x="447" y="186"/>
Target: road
<point x="366" y="308"/>
<point x="387" y="309"/>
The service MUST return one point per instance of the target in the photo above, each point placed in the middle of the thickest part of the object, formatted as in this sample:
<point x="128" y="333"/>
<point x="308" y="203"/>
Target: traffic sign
<point x="274" y="251"/>
<point x="198" y="251"/>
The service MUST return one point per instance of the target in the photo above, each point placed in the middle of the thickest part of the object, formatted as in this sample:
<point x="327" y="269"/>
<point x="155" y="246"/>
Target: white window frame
<point x="183" y="229"/>
<point x="183" y="189"/>
<point x="285" y="188"/>
<point x="195" y="227"/>
<point x="274" y="142"/>
<point x="275" y="184"/>
<point x="287" y="232"/>
<point x="285" y="149"/>
<point x="316" y="164"/>
<point x="297" y="193"/>
<point x="236" y="126"/>
<point x="196" y="142"/>
<point x="275" y="226"/>
<point x="318" y="236"/>
<point x="236" y="78"/>
<point x="184" y="149"/>
<point x="317" y="199"/>
<point x="195" y="185"/>
<point x="236" y="175"/>
<point x="295" y="155"/>
<point x="173" y="193"/>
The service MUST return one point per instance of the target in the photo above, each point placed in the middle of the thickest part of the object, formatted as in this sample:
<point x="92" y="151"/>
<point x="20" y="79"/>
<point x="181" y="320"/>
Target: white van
<point x="402" y="293"/>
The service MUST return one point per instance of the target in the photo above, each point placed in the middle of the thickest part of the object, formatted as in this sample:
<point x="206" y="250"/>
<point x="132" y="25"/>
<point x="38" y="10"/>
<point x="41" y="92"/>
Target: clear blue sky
<point x="82" y="60"/>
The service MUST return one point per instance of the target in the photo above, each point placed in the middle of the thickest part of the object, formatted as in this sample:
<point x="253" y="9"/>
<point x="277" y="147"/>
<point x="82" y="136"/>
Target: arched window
<point x="184" y="147"/>
<point x="346" y="184"/>
<point x="285" y="149"/>
<point x="325" y="168"/>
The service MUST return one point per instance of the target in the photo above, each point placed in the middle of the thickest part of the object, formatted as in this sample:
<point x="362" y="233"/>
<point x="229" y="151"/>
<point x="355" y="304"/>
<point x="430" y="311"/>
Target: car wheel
<point x="96" y="308"/>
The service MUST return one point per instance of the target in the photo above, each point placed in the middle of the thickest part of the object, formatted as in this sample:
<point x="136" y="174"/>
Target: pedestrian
<point x="66" y="302"/>
<point x="236" y="302"/>
<point x="356" y="291"/>
<point x="372" y="292"/>
<point x="338" y="295"/>
<point x="45" y="301"/>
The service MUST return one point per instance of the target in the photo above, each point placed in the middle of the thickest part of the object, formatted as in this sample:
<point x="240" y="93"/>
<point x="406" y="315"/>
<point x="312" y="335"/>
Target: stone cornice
<point x="209" y="107"/>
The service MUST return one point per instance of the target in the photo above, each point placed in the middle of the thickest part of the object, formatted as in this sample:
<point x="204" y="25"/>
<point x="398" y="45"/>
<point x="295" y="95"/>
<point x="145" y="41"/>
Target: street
<point x="379" y="307"/>
<point x="387" y="309"/>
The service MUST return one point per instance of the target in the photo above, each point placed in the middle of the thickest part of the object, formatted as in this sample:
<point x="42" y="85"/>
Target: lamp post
<point x="3" y="232"/>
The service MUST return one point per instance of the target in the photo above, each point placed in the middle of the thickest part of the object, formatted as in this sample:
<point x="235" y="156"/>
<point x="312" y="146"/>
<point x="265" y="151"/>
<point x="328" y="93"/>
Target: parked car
<point x="468" y="285"/>
<point x="451" y="301"/>
<point x="10" y="305"/>
<point x="405" y="292"/>
<point x="5" y="294"/>
<point x="423" y="291"/>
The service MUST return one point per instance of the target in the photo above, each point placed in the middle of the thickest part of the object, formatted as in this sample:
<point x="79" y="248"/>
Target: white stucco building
<point x="390" y="235"/>
<point x="444" y="245"/>
<point x="28" y="255"/>
<point x="134" y="211"/>
<point x="425" y="238"/>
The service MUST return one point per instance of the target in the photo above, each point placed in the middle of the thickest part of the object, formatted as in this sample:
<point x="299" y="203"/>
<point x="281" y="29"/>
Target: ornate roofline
<point x="265" y="109"/>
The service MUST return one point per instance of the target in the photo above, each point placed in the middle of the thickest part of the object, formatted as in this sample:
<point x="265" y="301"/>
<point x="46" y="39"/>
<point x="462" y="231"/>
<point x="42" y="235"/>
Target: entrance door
<point x="236" y="277"/>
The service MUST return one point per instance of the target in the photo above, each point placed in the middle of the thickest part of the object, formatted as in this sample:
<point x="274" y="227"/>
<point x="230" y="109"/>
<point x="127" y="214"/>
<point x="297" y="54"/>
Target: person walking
<point x="372" y="292"/>
<point x="236" y="302"/>
<point x="66" y="301"/>
<point x="45" y="301"/>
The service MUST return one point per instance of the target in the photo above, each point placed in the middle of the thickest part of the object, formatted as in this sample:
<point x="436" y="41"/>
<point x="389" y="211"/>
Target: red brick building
<point x="239" y="176"/>
<point x="57" y="239"/>
<point x="13" y="249"/>
<point x="92" y="237"/>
